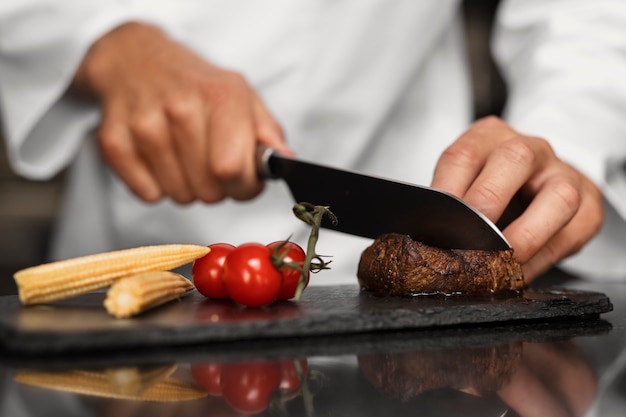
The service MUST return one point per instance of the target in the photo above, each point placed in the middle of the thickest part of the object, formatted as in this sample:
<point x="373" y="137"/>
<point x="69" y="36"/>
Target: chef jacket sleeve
<point x="42" y="42"/>
<point x="565" y="65"/>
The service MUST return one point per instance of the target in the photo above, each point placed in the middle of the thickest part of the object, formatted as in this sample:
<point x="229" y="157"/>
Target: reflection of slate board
<point x="407" y="340"/>
<point x="82" y="324"/>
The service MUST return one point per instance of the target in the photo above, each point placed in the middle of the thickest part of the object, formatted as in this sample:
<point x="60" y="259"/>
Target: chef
<point x="156" y="107"/>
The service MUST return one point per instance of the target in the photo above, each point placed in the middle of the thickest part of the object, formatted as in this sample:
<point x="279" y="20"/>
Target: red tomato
<point x="248" y="387"/>
<point x="293" y="254"/>
<point x="207" y="271"/>
<point x="208" y="376"/>
<point x="251" y="278"/>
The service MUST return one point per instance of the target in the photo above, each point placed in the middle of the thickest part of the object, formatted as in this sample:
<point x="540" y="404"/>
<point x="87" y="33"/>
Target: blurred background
<point x="28" y="208"/>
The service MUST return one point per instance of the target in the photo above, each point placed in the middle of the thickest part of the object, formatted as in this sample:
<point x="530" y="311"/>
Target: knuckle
<point x="215" y="93"/>
<point x="463" y="154"/>
<point x="183" y="198"/>
<point x="269" y="129"/>
<point x="595" y="220"/>
<point x="147" y="194"/>
<point x="577" y="244"/>
<point x="205" y="187"/>
<point x="246" y="192"/>
<point x="551" y="254"/>
<point x="227" y="169"/>
<point x="491" y="192"/>
<point x="542" y="146"/>
<point x="179" y="108"/>
<point x="112" y="145"/>
<point x="212" y="196"/>
<point x="147" y="131"/>
<point x="518" y="151"/>
<point x="569" y="194"/>
<point x="233" y="179"/>
<point x="528" y="244"/>
<point x="178" y="188"/>
<point x="247" y="195"/>
<point x="221" y="89"/>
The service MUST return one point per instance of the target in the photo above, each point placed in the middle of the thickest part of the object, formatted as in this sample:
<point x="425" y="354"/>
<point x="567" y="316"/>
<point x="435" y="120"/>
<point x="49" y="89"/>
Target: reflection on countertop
<point x="451" y="381"/>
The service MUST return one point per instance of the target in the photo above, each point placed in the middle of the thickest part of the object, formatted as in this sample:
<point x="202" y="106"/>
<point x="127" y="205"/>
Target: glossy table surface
<point x="540" y="368"/>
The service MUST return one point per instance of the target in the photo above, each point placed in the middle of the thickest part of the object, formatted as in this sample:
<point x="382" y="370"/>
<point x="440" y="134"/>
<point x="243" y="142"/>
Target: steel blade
<point x="370" y="206"/>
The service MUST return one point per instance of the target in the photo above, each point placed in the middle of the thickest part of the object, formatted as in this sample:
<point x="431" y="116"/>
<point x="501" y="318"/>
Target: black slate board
<point x="81" y="324"/>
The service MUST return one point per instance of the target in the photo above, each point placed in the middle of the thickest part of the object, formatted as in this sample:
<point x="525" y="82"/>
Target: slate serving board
<point x="81" y="324"/>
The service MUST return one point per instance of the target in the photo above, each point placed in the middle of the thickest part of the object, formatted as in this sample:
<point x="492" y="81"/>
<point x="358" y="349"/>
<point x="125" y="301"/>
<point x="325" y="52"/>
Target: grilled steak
<point x="397" y="265"/>
<point x="405" y="375"/>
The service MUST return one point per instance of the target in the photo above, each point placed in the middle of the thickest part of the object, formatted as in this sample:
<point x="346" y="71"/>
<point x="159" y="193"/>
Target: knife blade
<point x="370" y="206"/>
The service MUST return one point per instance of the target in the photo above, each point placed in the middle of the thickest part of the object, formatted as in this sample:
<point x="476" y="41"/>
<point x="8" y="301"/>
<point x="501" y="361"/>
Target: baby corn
<point x="134" y="380"/>
<point x="97" y="384"/>
<point x="71" y="277"/>
<point x="135" y="294"/>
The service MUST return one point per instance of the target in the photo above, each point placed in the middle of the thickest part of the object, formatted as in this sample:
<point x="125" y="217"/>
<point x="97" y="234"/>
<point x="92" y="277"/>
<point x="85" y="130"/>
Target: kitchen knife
<point x="369" y="206"/>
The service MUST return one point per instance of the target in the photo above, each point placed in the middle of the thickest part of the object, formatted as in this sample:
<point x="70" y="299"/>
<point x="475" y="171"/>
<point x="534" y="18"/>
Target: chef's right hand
<point x="173" y="124"/>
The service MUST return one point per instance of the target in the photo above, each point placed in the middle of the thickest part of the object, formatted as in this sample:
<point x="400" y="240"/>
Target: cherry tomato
<point x="251" y="278"/>
<point x="208" y="376"/>
<point x="248" y="387"/>
<point x="291" y="276"/>
<point x="207" y="271"/>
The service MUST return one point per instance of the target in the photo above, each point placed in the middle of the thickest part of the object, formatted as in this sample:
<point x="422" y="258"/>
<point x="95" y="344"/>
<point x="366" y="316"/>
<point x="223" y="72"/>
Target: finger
<point x="508" y="167"/>
<point x="571" y="238"/>
<point x="187" y="120"/>
<point x="232" y="141"/>
<point x="554" y="205"/>
<point x="562" y="368"/>
<point x="118" y="150"/>
<point x="154" y="143"/>
<point x="459" y="165"/>
<point x="537" y="385"/>
<point x="528" y="396"/>
<point x="268" y="130"/>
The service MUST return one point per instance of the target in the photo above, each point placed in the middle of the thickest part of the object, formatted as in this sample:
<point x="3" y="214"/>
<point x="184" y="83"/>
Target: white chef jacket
<point x="376" y="86"/>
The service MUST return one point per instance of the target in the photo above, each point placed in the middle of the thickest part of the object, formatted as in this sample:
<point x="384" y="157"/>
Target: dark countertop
<point x="540" y="368"/>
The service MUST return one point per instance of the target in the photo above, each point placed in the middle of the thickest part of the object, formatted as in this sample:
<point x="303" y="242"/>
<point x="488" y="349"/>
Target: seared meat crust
<point x="405" y="375"/>
<point x="397" y="265"/>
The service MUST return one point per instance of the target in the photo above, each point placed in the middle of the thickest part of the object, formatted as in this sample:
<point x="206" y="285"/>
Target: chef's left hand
<point x="493" y="168"/>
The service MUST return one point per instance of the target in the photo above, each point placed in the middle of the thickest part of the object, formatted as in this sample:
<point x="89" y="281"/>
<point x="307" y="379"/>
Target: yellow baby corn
<point x="72" y="277"/>
<point x="137" y="293"/>
<point x="97" y="384"/>
<point x="133" y="380"/>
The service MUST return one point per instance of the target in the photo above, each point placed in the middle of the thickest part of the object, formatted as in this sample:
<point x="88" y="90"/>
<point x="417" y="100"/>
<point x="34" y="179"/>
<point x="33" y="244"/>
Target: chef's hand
<point x="493" y="168"/>
<point x="173" y="124"/>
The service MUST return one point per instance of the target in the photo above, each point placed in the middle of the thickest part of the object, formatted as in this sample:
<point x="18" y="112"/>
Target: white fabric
<point x="373" y="85"/>
<point x="565" y="62"/>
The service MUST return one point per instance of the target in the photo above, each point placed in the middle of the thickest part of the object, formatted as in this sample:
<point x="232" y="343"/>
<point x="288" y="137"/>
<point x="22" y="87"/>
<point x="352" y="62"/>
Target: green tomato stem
<point x="312" y="215"/>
